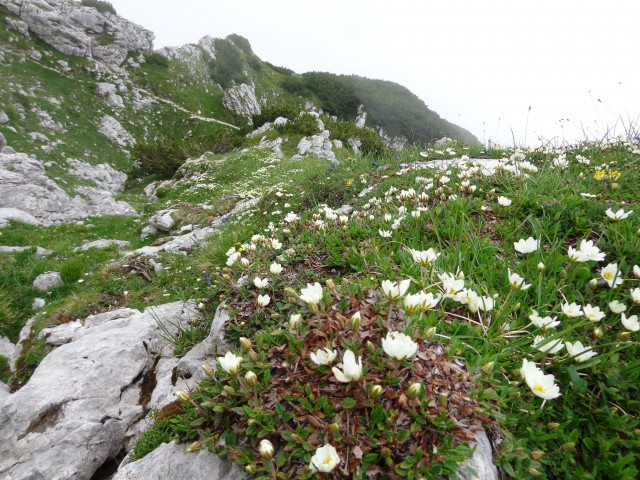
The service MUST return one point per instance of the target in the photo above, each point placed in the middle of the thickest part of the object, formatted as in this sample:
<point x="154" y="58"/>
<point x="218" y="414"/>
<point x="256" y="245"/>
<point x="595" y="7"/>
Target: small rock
<point x="38" y="303"/>
<point x="3" y="142"/>
<point x="171" y="460"/>
<point x="60" y="334"/>
<point x="102" y="244"/>
<point x="4" y="118"/>
<point x="48" y="281"/>
<point x="481" y="462"/>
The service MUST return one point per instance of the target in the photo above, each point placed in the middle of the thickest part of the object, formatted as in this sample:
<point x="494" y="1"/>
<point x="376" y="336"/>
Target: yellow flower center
<point x="539" y="388"/>
<point x="608" y="275"/>
<point x="327" y="460"/>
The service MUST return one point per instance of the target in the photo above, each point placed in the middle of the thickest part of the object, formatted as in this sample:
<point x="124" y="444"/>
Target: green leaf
<point x="349" y="403"/>
<point x="579" y="385"/>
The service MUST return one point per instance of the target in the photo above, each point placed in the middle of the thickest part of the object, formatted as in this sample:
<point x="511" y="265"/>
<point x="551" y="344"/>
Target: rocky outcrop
<point x="104" y="176"/>
<point x="76" y="410"/>
<point x="27" y="194"/>
<point x="107" y="91"/>
<point x="242" y="100"/>
<point x="274" y="145"/>
<point x="170" y="460"/>
<point x="113" y="130"/>
<point x="318" y="145"/>
<point x="82" y="31"/>
<point x="102" y="244"/>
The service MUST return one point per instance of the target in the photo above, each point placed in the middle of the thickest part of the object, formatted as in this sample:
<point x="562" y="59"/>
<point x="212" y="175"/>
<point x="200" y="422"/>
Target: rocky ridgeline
<point x="76" y="30"/>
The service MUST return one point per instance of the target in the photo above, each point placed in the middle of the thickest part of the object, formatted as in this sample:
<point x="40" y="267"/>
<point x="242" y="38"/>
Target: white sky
<point x="477" y="63"/>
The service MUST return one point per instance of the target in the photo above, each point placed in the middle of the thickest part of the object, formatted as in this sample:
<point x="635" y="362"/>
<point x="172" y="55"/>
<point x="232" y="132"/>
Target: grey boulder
<point x="48" y="281"/>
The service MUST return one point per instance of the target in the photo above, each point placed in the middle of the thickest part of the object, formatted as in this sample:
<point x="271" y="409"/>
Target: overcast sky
<point x="478" y="63"/>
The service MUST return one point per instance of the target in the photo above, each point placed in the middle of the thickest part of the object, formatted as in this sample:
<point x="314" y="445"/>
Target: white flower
<point x="260" y="282"/>
<point x="504" y="201"/>
<point x="395" y="290"/>
<point x="275" y="268"/>
<point x="351" y="370"/>
<point x="324" y="460"/>
<point x="265" y="449"/>
<point x="385" y="233"/>
<point x="527" y="366"/>
<point x="619" y="215"/>
<point x="312" y="293"/>
<point x="541" y="385"/>
<point x="543" y="322"/>
<point x="630" y="323"/>
<point x="294" y="321"/>
<point x="233" y="258"/>
<point x="263" y="300"/>
<point x="612" y="275"/>
<point x="516" y="281"/>
<point x="450" y="284"/>
<point x="593" y="313"/>
<point x="636" y="271"/>
<point x="548" y="346"/>
<point x="399" y="346"/>
<point x="275" y="244"/>
<point x="635" y="295"/>
<point x="323" y="357"/>
<point x="291" y="217"/>
<point x="424" y="257"/>
<point x="586" y="252"/>
<point x="429" y="301"/>
<point x="413" y="303"/>
<point x="230" y="363"/>
<point x="571" y="309"/>
<point x="617" y="307"/>
<point x="581" y="353"/>
<point x="526" y="246"/>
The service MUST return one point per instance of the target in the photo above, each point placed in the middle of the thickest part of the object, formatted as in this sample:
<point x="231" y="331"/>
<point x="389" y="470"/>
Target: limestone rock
<point x="318" y="145"/>
<point x="170" y="460"/>
<point x="103" y="175"/>
<point x="274" y="145"/>
<point x="443" y="142"/>
<point x="107" y="91"/>
<point x="3" y="142"/>
<point x="60" y="334"/>
<point x="259" y="131"/>
<point x="77" y="407"/>
<point x="48" y="281"/>
<point x="40" y="252"/>
<point x="5" y="391"/>
<point x="161" y="221"/>
<point x="361" y="118"/>
<point x="18" y="25"/>
<point x="101" y="243"/>
<point x="38" y="303"/>
<point x="113" y="130"/>
<point x="77" y="30"/>
<point x="17" y="215"/>
<point x="4" y="118"/>
<point x="481" y="462"/>
<point x="8" y="350"/>
<point x="242" y="100"/>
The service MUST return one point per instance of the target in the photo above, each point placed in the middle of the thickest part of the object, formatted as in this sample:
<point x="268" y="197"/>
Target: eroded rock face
<point x="103" y="175"/>
<point x="107" y="91"/>
<point x="242" y="100"/>
<point x="76" y="409"/>
<point x="318" y="145"/>
<point x="81" y="31"/>
<point x="27" y="194"/>
<point x="113" y="130"/>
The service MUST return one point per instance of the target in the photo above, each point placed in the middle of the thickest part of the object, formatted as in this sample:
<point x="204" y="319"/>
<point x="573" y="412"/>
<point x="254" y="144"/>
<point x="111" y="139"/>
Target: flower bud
<point x="294" y="321"/>
<point x="593" y="283"/>
<point x="184" y="396"/>
<point x="229" y="390"/>
<point x="376" y="391"/>
<point x="253" y="355"/>
<point x="385" y="452"/>
<point x="245" y="342"/>
<point x="563" y="273"/>
<point x="541" y="267"/>
<point x="266" y="449"/>
<point x="581" y="175"/>
<point x="430" y="333"/>
<point x="552" y="425"/>
<point x="569" y="447"/>
<point x="534" y="472"/>
<point x="518" y="451"/>
<point x="442" y="399"/>
<point x="194" y="447"/>
<point x="208" y="370"/>
<point x="614" y="186"/>
<point x="371" y="348"/>
<point x="355" y="321"/>
<point x="250" y="469"/>
<point x="219" y="409"/>
<point x="335" y="428"/>
<point x="331" y="285"/>
<point x="251" y="378"/>
<point x="291" y="292"/>
<point x="598" y="332"/>
<point x="487" y="368"/>
<point x="414" y="390"/>
<point x="536" y="454"/>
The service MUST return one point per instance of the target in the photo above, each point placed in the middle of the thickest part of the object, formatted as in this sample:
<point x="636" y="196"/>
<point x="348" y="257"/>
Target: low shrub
<point x="100" y="5"/>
